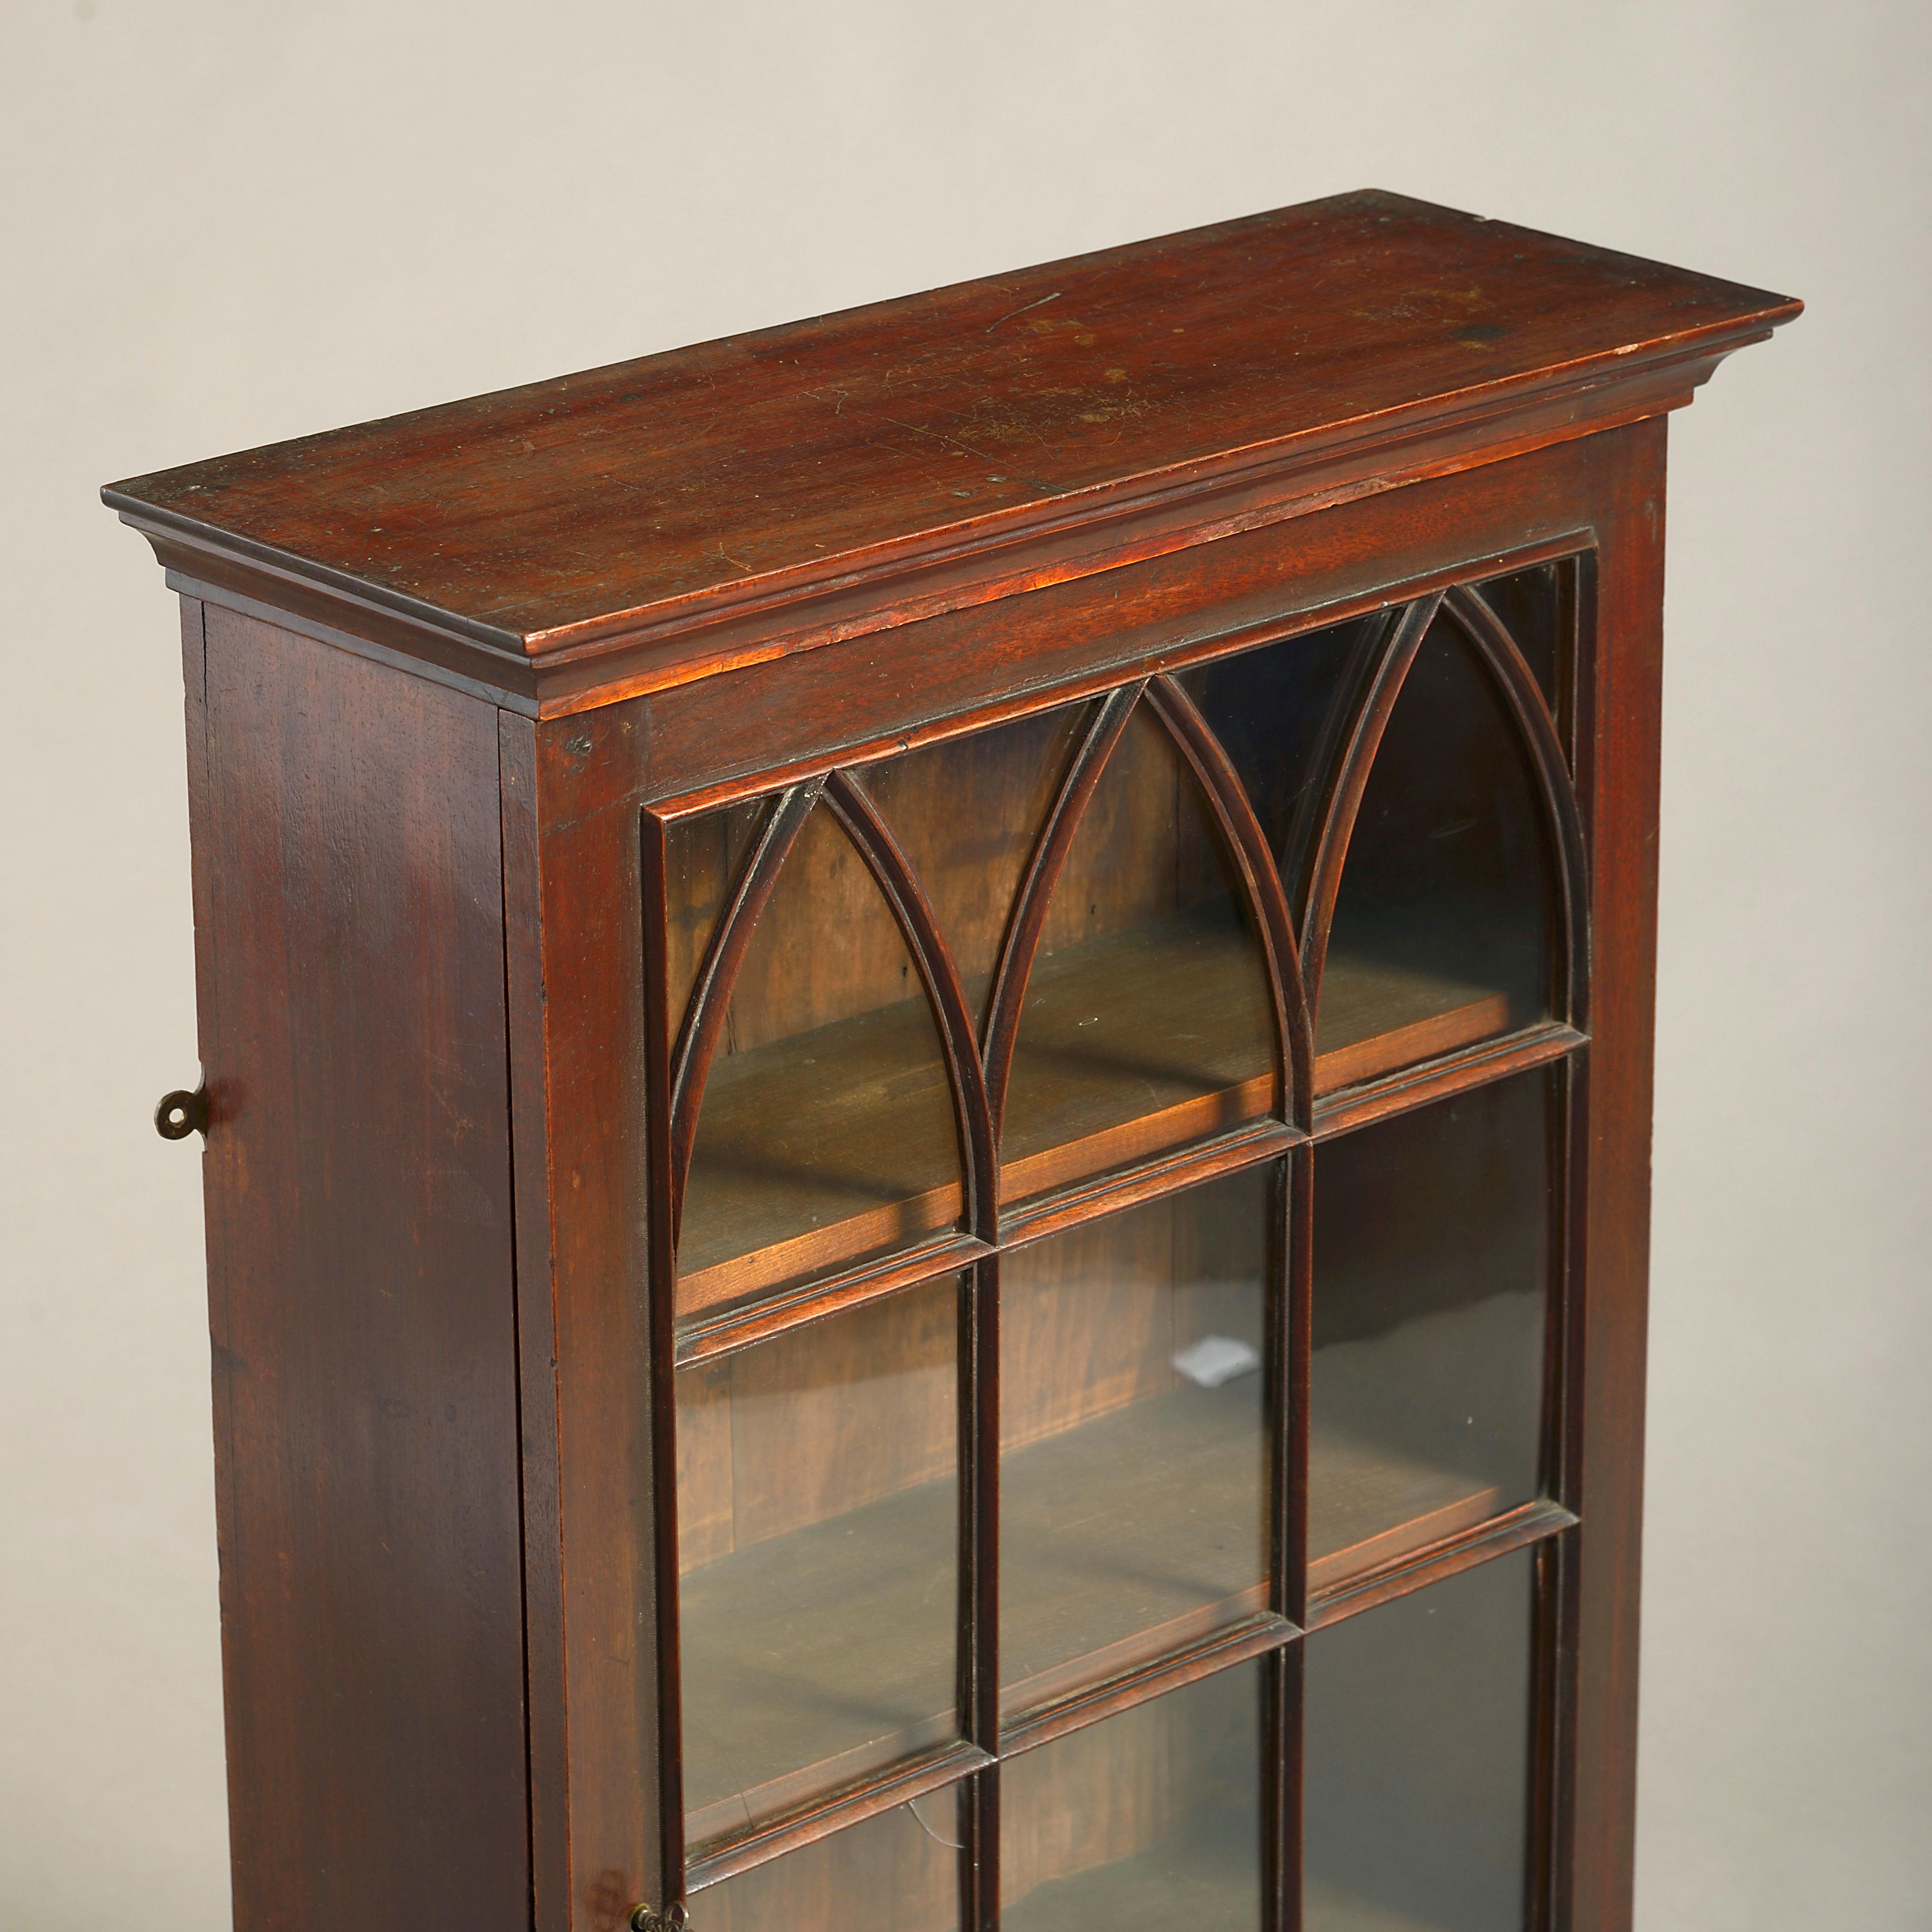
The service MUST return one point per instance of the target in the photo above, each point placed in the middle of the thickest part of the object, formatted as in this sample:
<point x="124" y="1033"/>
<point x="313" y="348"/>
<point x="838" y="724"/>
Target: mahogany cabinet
<point x="927" y="1047"/>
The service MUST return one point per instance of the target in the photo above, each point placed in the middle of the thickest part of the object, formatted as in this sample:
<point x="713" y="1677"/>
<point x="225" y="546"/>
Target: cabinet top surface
<point x="805" y="458"/>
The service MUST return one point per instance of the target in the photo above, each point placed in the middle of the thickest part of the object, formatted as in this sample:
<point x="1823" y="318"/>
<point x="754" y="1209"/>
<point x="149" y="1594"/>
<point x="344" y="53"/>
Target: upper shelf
<point x="611" y="518"/>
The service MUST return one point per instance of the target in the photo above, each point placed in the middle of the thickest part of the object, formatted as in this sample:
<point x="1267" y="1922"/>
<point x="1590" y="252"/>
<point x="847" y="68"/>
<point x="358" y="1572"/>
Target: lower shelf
<point x="825" y="1654"/>
<point x="1196" y="1880"/>
<point x="1327" y="1908"/>
<point x="1369" y="1505"/>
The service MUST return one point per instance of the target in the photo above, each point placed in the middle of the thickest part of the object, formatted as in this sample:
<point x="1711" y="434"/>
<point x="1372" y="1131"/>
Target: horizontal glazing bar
<point x="1417" y="1086"/>
<point x="1534" y="1522"/>
<point x="1254" y="1638"/>
<point x="703" y="1341"/>
<point x="726" y="1857"/>
<point x="1107" y="1194"/>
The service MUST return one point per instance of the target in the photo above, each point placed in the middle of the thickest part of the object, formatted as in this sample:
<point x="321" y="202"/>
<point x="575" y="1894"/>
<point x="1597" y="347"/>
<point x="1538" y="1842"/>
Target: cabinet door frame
<point x="590" y="1089"/>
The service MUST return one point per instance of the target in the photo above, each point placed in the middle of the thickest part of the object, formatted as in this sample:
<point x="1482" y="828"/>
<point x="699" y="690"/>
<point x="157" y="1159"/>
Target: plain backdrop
<point x="229" y="223"/>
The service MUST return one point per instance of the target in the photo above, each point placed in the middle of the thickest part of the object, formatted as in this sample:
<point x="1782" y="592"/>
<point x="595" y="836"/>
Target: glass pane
<point x="818" y="1535"/>
<point x="1417" y="1787"/>
<point x="1133" y="1453"/>
<point x="704" y="855"/>
<point x="967" y="812"/>
<point x="1534" y="604"/>
<point x="1146" y="1018"/>
<point x="899" y="1872"/>
<point x="827" y="1129"/>
<point x="1281" y="714"/>
<point x="1143" y="1823"/>
<point x="1434" y="1234"/>
<point x="1442" y="926"/>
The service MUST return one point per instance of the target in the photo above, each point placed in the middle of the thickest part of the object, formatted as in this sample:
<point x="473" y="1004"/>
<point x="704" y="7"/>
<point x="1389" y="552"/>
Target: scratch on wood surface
<point x="1022" y="309"/>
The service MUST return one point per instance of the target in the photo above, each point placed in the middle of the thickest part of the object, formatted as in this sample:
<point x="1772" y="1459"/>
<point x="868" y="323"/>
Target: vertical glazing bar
<point x="1281" y="1792"/>
<point x="979" y="1584"/>
<point x="1549" y="1744"/>
<point x="1293" y="1298"/>
<point x="661" y="1241"/>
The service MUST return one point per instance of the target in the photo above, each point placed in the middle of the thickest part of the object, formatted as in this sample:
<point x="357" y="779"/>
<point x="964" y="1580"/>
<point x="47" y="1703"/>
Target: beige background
<point x="229" y="223"/>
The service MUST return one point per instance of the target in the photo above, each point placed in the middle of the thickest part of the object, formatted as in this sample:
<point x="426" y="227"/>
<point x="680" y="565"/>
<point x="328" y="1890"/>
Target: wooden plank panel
<point x="357" y="1184"/>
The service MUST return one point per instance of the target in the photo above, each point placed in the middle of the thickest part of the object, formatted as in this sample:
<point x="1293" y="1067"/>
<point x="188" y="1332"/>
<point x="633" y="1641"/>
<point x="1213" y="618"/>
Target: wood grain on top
<point x="595" y="505"/>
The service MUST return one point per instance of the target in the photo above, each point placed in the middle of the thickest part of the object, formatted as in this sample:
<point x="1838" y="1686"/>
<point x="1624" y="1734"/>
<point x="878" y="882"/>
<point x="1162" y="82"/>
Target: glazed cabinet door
<point x="1116" y="1302"/>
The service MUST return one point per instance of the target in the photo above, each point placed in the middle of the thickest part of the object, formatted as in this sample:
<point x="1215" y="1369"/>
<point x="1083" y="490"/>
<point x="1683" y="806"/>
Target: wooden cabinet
<point x="927" y="1072"/>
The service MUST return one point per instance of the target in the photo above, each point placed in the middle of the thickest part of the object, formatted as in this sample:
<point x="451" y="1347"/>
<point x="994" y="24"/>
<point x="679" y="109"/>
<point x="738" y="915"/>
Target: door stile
<point x="1619" y="694"/>
<point x="660" y="1197"/>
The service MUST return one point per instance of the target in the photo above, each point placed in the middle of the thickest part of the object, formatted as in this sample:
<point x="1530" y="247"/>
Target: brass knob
<point x="649" y="1918"/>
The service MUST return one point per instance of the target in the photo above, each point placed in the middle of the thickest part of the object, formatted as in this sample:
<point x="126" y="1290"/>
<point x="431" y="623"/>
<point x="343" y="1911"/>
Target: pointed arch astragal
<point x="711" y="996"/>
<point x="1261" y="878"/>
<point x="1028" y="918"/>
<point x="852" y="805"/>
<point x="1478" y="623"/>
<point x="1344" y="800"/>
<point x="1297" y="855"/>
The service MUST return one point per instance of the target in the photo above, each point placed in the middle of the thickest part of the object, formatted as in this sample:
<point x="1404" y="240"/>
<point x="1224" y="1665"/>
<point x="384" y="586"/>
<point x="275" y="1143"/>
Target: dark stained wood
<point x="849" y="800"/>
<point x="1456" y="1072"/>
<point x="1092" y="1010"/>
<point x="621" y="508"/>
<point x="711" y="995"/>
<point x="1350" y="780"/>
<point x="1458" y="1550"/>
<point x="1168" y="453"/>
<point x="589" y="1029"/>
<point x="1619" y="701"/>
<point x="536" y="1330"/>
<point x="1036" y="890"/>
<point x="350" y="959"/>
<point x="1527" y="703"/>
<point x="1248" y="845"/>
<point x="811" y="1823"/>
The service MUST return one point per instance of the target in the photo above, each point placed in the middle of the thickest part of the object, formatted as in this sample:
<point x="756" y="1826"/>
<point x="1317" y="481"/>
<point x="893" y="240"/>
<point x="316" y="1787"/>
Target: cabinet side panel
<point x="1617" y="745"/>
<point x="361" y="1289"/>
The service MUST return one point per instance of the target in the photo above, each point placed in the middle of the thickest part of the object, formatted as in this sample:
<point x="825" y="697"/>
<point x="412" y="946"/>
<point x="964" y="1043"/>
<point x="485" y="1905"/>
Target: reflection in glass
<point x="1535" y="605"/>
<point x="1133" y="1452"/>
<point x="827" y="1129"/>
<point x="1443" y="924"/>
<point x="704" y="855"/>
<point x="898" y="1872"/>
<point x="1433" y="1242"/>
<point x="1416" y="1788"/>
<point x="1147" y="1020"/>
<point x="1281" y="713"/>
<point x="1143" y="1823"/>
<point x="817" y="1535"/>
<point x="967" y="812"/>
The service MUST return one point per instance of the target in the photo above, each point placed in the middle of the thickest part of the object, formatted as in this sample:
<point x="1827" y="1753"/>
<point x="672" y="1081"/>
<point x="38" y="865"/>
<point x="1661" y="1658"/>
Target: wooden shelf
<point x="840" y="1142"/>
<point x="1081" y="1512"/>
<point x="1369" y="1505"/>
<point x="776" y="1622"/>
<point x="1327" y="1908"/>
<point x="1129" y="1536"/>
<point x="1198" y="1879"/>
